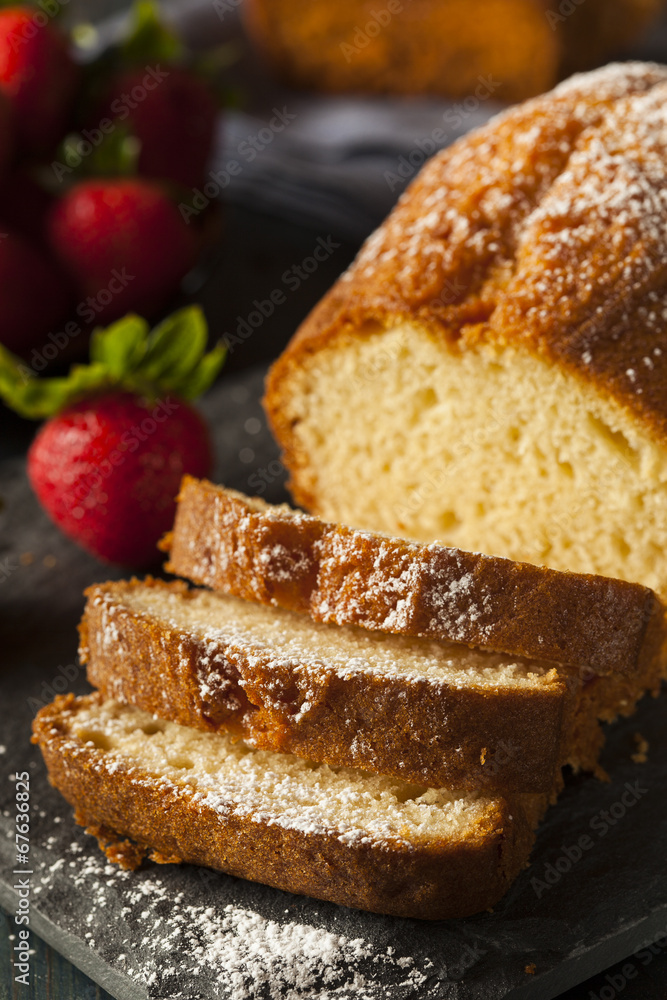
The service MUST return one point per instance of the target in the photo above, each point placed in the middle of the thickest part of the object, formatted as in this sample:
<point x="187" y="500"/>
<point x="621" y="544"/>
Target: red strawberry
<point x="37" y="75"/>
<point x="108" y="468"/>
<point x="108" y="464"/>
<point x="125" y="231"/>
<point x="33" y="293"/>
<point x="173" y="115"/>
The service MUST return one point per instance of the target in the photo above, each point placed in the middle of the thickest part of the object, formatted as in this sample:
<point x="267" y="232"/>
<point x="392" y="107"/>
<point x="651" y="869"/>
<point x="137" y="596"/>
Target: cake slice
<point x="342" y="835"/>
<point x="435" y="713"/>
<point x="491" y="372"/>
<point x="279" y="556"/>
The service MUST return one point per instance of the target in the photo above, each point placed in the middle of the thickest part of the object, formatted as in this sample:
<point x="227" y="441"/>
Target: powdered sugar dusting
<point x="550" y="224"/>
<point x="459" y="603"/>
<point x="385" y="584"/>
<point x="359" y="572"/>
<point x="266" y="955"/>
<point x="253" y="637"/>
<point x="613" y="81"/>
<point x="226" y="778"/>
<point x="187" y="944"/>
<point x="246" y="534"/>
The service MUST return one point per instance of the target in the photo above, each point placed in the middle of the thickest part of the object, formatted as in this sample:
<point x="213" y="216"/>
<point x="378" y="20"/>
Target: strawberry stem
<point x="127" y="356"/>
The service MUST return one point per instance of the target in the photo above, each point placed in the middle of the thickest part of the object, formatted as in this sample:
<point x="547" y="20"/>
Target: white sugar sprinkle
<point x="246" y="954"/>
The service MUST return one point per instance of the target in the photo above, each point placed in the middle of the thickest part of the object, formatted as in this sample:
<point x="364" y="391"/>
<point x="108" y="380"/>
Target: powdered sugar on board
<point x="184" y="945"/>
<point x="299" y="956"/>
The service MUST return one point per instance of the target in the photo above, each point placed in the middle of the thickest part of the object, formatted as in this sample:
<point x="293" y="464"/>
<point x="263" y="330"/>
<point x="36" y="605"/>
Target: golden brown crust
<point x="496" y="740"/>
<point x="273" y="555"/>
<point x="434" y="881"/>
<point x="543" y="231"/>
<point x="435" y="734"/>
<point x="230" y="542"/>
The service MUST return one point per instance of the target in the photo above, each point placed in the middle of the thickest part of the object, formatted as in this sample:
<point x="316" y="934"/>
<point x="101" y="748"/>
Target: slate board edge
<point x="72" y="948"/>
<point x="594" y="960"/>
<point x="568" y="975"/>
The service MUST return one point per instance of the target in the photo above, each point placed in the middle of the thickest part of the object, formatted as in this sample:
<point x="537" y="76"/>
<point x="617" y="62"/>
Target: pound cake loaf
<point x="434" y="713"/>
<point x="513" y="49"/>
<point x="491" y="372"/>
<point x="342" y="835"/>
<point x="279" y="556"/>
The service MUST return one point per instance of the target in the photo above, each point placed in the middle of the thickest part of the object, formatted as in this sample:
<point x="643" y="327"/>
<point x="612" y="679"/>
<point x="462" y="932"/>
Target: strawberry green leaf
<point x="121" y="347"/>
<point x="211" y="66"/>
<point x="117" y="155"/>
<point x="39" y="398"/>
<point x="126" y="356"/>
<point x="175" y="358"/>
<point x="175" y="346"/>
<point x="75" y="159"/>
<point x="147" y="41"/>
<point x="55" y="14"/>
<point x="203" y="377"/>
<point x="150" y="40"/>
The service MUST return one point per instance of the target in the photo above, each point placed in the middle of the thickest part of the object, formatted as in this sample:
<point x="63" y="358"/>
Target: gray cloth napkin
<point x="336" y="164"/>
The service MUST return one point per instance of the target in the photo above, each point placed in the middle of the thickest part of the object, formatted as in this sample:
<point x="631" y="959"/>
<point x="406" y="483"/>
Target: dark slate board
<point x="608" y="904"/>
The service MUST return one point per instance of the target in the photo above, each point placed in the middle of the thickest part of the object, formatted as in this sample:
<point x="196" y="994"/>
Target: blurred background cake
<point x="518" y="47"/>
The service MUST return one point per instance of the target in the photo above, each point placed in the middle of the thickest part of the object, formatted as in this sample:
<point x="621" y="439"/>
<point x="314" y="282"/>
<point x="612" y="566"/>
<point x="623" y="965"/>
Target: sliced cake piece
<point x="279" y="556"/>
<point x="342" y="835"/>
<point x="437" y="713"/>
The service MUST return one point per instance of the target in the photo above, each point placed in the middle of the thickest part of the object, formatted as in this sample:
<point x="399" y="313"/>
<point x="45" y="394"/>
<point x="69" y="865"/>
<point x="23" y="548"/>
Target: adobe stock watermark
<point x="88" y="311"/>
<point x="121" y="108"/>
<point x="617" y="981"/>
<point x="454" y="118"/>
<point x="292" y="279"/>
<point x="48" y="9"/>
<point x="364" y="34"/>
<point x="382" y="359"/>
<point x="22" y="873"/>
<point x="8" y="566"/>
<point x="247" y="150"/>
<point x="385" y="356"/>
<point x="600" y="825"/>
<point x="470" y="955"/>
<point x="84" y="494"/>
<point x="61" y="681"/>
<point x="261" y="479"/>
<point x="566" y="8"/>
<point x="225" y="7"/>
